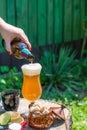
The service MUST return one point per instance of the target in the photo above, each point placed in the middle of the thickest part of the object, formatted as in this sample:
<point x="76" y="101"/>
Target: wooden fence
<point x="46" y="21"/>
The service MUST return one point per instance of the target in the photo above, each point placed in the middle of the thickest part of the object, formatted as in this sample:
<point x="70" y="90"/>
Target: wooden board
<point x="22" y="15"/>
<point x="76" y="19"/>
<point x="57" y="125"/>
<point x="50" y="19"/>
<point x="42" y="18"/>
<point x="58" y="21"/>
<point x="46" y="21"/>
<point x="32" y="21"/>
<point x="68" y="20"/>
<point x="11" y="13"/>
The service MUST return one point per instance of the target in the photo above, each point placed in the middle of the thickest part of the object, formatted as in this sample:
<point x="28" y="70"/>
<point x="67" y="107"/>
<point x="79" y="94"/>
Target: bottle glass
<point x="20" y="50"/>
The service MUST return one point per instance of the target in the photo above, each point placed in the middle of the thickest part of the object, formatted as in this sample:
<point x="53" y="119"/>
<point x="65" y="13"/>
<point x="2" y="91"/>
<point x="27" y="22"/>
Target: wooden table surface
<point x="57" y="125"/>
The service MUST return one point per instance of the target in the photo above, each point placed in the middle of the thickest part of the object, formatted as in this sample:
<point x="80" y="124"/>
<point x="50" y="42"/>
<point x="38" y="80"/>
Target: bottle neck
<point x="27" y="54"/>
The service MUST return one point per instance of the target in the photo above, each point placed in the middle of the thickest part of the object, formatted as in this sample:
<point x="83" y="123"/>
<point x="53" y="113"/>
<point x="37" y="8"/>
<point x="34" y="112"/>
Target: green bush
<point x="61" y="71"/>
<point x="10" y="79"/>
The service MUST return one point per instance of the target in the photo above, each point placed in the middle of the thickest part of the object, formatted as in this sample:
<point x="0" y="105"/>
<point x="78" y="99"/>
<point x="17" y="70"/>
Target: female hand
<point x="9" y="32"/>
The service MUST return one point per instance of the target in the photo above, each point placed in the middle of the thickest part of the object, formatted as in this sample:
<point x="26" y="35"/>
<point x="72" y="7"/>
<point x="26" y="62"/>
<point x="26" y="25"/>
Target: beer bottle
<point x="20" y="50"/>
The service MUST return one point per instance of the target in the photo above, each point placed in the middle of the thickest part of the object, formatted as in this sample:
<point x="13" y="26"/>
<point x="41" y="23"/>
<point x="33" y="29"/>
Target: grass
<point x="77" y="106"/>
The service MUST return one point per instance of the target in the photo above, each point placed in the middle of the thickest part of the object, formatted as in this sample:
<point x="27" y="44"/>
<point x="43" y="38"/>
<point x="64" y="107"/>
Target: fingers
<point x="24" y="38"/>
<point x="16" y="32"/>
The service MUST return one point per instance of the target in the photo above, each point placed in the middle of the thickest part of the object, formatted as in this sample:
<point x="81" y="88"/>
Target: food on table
<point x="10" y="117"/>
<point x="14" y="115"/>
<point x="5" y="118"/>
<point x="58" y="112"/>
<point x="40" y="117"/>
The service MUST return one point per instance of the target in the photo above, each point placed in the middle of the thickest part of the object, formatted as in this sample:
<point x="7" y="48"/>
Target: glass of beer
<point x="31" y="89"/>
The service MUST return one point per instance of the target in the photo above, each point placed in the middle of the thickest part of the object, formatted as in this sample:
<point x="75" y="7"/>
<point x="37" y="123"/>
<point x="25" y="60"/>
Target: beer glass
<point x="31" y="89"/>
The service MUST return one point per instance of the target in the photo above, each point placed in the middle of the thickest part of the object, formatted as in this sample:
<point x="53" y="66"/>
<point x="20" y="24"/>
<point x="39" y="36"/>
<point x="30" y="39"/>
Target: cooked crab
<point x="42" y="117"/>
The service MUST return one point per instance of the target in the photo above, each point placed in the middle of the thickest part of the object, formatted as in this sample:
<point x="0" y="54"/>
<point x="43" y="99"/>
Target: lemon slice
<point x="5" y="118"/>
<point x="20" y="120"/>
<point x="14" y="115"/>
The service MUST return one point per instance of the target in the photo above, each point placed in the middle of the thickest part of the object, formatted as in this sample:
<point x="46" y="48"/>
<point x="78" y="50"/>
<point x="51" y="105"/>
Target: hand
<point x="10" y="32"/>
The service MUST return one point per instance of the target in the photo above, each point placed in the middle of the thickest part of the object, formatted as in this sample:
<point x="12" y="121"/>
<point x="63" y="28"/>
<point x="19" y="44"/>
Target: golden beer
<point x="31" y="89"/>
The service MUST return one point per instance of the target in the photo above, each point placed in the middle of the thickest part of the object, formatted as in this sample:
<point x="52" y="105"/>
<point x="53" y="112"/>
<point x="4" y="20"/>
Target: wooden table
<point x="57" y="125"/>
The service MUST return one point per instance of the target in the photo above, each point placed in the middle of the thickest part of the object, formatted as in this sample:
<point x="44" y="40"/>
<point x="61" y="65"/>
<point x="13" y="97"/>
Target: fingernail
<point x="9" y="52"/>
<point x="30" y="48"/>
<point x="23" y="123"/>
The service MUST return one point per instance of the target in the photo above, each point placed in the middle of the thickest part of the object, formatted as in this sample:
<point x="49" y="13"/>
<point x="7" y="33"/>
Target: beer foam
<point x="31" y="69"/>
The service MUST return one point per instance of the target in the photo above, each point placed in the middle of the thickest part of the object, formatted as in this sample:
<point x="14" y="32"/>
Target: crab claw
<point x="58" y="112"/>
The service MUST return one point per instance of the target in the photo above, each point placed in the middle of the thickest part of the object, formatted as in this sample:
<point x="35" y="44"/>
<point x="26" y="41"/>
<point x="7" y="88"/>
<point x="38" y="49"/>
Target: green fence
<point x="46" y="21"/>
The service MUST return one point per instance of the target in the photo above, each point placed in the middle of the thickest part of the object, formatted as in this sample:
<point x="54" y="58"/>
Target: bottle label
<point x="21" y="45"/>
<point x="25" y="52"/>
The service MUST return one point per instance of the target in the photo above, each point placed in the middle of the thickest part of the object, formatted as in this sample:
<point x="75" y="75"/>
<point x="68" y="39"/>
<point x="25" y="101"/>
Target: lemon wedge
<point x="14" y="115"/>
